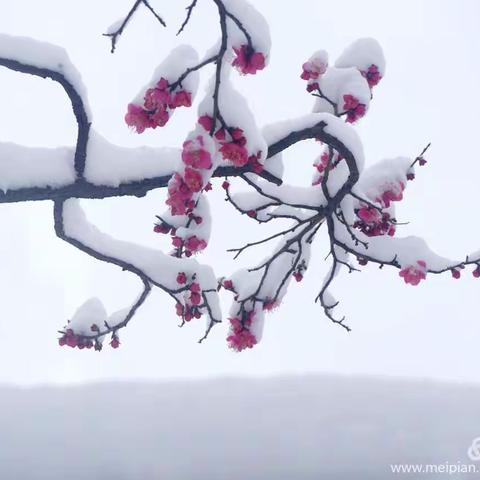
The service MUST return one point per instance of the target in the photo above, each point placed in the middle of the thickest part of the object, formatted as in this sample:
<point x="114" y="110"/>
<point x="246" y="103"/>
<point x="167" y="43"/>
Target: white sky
<point x="430" y="93"/>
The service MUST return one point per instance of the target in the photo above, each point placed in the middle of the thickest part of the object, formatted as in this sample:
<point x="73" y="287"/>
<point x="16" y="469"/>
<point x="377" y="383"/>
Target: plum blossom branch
<point x="420" y="158"/>
<point x="356" y="204"/>
<point x="294" y="244"/>
<point x="148" y="281"/>
<point x="98" y="332"/>
<point x="82" y="188"/>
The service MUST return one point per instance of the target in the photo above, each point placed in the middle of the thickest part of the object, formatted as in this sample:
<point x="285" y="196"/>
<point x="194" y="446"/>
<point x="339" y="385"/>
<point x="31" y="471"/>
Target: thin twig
<point x="189" y="14"/>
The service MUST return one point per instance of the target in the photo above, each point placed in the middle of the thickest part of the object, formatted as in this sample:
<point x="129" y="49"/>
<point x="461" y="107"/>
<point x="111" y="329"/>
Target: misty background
<point x="303" y="427"/>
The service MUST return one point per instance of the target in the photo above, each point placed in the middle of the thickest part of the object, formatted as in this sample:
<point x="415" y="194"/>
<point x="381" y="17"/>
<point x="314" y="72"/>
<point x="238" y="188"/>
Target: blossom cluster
<point x="232" y="143"/>
<point x="352" y="106"/>
<point x="75" y="340"/>
<point x="200" y="155"/>
<point x="158" y="105"/>
<point x="353" y="109"/>
<point x="374" y="223"/>
<point x="240" y="336"/>
<point x="189" y="245"/>
<point x="190" y="308"/>
<point x="197" y="159"/>
<point x="184" y="188"/>
<point x="71" y="339"/>
<point x="413" y="274"/>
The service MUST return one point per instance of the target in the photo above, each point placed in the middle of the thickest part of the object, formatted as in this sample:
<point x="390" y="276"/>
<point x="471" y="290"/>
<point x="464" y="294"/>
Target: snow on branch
<point x="151" y="266"/>
<point x="355" y="204"/>
<point x="41" y="59"/>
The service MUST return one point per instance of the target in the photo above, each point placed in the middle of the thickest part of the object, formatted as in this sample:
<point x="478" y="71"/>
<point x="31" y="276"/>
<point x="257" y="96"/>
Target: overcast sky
<point x="430" y="93"/>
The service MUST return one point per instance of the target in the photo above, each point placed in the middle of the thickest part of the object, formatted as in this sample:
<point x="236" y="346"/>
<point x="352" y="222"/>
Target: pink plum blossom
<point x="353" y="108"/>
<point x="372" y="75"/>
<point x="195" y="154"/>
<point x="181" y="278"/>
<point x="195" y="287"/>
<point x="206" y="121"/>
<point x="312" y="69"/>
<point x="255" y="165"/>
<point x="270" y="305"/>
<point x="241" y="337"/>
<point x="373" y="223"/>
<point x="182" y="98"/>
<point x="195" y="298"/>
<point x="155" y="98"/>
<point x="220" y="135"/>
<point x="247" y="60"/>
<point x="158" y="102"/>
<point x="297" y="276"/>
<point x="193" y="179"/>
<point x="456" y="273"/>
<point x="393" y="193"/>
<point x="369" y="215"/>
<point x="414" y="274"/>
<point x="160" y="117"/>
<point x="137" y="118"/>
<point x="235" y="153"/>
<point x="179" y="195"/>
<point x="194" y="244"/>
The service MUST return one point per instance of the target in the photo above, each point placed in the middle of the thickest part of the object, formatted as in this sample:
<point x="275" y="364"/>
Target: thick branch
<point x="126" y="266"/>
<point x="318" y="132"/>
<point x="78" y="106"/>
<point x="84" y="189"/>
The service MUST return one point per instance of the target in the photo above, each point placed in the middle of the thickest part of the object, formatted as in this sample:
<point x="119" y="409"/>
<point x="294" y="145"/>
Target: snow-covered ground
<point x="295" y="428"/>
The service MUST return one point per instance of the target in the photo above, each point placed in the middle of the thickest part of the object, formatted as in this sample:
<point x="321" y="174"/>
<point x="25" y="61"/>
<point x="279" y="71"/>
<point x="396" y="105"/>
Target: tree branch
<point x="76" y="100"/>
<point x="118" y="32"/>
<point x="189" y="14"/>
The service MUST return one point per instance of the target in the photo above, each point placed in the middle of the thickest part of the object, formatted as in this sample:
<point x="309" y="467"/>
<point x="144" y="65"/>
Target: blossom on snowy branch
<point x="356" y="205"/>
